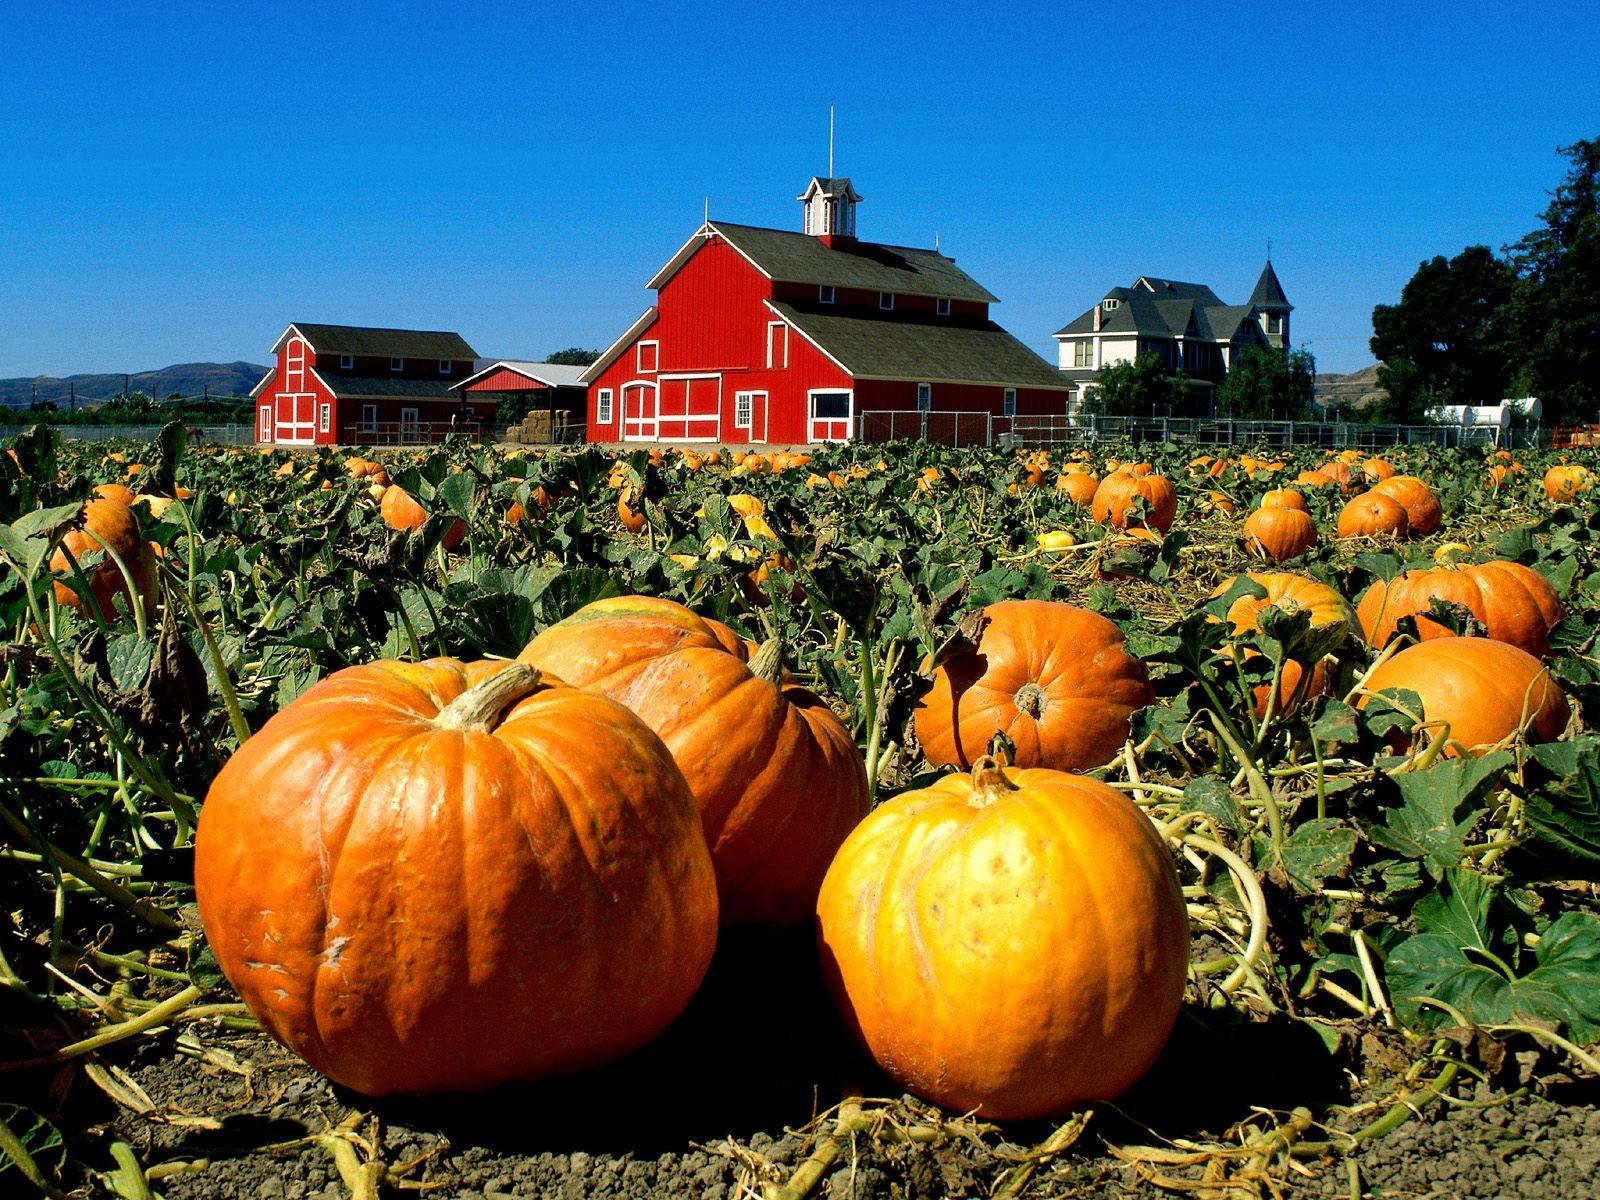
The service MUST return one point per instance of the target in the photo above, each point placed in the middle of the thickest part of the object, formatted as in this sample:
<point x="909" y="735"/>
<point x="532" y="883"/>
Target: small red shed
<point x="351" y="384"/>
<point x="763" y="335"/>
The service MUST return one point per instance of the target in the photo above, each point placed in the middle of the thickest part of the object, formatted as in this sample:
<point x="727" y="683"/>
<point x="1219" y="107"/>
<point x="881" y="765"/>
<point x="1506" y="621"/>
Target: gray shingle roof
<point x="382" y="387"/>
<point x="549" y="374"/>
<point x="870" y="266"/>
<point x="885" y="348"/>
<point x="1162" y="308"/>
<point x="1269" y="292"/>
<point x="384" y="343"/>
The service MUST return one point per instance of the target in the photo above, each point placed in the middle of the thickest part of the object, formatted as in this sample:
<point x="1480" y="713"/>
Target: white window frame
<point x="924" y="397"/>
<point x="886" y="301"/>
<point x="811" y="410"/>
<point x="396" y="364"/>
<point x="1008" y="402"/>
<point x="602" y="407"/>
<point x="744" y="404"/>
<point x="825" y="293"/>
<point x="347" y="362"/>
<point x="655" y="357"/>
<point x="777" y="345"/>
<point x="941" y="306"/>
<point x="411" y="417"/>
<point x="1110" y="303"/>
<point x="444" y="366"/>
<point x="1083" y="353"/>
<point x="324" y="416"/>
<point x="369" y="418"/>
<point x="264" y="423"/>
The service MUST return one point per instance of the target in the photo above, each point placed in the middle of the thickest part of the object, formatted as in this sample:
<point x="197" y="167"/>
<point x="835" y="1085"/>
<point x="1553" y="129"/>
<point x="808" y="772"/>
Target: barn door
<point x="639" y="412"/>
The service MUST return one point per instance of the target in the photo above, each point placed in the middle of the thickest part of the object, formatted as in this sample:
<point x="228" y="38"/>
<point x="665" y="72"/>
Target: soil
<point x="741" y="1091"/>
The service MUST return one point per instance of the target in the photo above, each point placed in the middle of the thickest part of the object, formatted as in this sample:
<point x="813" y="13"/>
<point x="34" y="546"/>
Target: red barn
<point x="762" y="335"/>
<point x="349" y="384"/>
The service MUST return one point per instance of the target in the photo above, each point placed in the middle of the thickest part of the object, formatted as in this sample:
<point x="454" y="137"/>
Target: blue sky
<point x="179" y="181"/>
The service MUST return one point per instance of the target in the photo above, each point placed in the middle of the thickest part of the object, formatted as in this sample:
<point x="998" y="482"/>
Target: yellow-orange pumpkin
<point x="1423" y="512"/>
<point x="1051" y="676"/>
<point x="1567" y="481"/>
<point x="1117" y="492"/>
<point x="110" y="527"/>
<point x="1373" y="514"/>
<point x="439" y="876"/>
<point x="1279" y="533"/>
<point x="400" y="510"/>
<point x="1515" y="603"/>
<point x="1012" y="942"/>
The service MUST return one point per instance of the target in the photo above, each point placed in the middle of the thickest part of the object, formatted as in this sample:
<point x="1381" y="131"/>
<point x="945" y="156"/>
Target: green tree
<point x="1448" y="340"/>
<point x="1556" y="307"/>
<point x="1269" y="384"/>
<point x="572" y="356"/>
<point x="1138" y="388"/>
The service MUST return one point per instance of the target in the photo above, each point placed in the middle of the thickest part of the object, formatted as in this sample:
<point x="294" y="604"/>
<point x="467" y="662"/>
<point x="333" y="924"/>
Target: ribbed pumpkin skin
<point x="1373" y="514"/>
<point x="1016" y="958"/>
<point x="1515" y="603"/>
<point x="413" y="909"/>
<point x="1279" y="533"/>
<point x="1423" y="512"/>
<point x="1479" y="686"/>
<point x="1116" y="492"/>
<point x="1065" y="661"/>
<point x="777" y="777"/>
<point x="113" y="523"/>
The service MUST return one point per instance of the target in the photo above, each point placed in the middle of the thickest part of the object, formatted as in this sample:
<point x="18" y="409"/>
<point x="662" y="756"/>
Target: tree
<point x="1139" y="388"/>
<point x="1448" y="341"/>
<point x="572" y="356"/>
<point x="1267" y="383"/>
<point x="1555" y="312"/>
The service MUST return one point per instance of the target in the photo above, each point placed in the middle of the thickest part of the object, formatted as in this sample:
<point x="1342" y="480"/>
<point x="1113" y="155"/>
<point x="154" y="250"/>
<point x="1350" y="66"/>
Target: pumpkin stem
<point x="989" y="782"/>
<point x="767" y="662"/>
<point x="1031" y="699"/>
<point x="479" y="707"/>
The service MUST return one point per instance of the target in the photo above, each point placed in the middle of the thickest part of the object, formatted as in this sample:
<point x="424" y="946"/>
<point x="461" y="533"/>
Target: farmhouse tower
<point x="1271" y="308"/>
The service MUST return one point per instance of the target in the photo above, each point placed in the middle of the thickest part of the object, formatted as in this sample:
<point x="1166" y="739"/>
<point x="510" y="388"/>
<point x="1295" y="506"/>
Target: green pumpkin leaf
<point x="1318" y="850"/>
<point x="1440" y="805"/>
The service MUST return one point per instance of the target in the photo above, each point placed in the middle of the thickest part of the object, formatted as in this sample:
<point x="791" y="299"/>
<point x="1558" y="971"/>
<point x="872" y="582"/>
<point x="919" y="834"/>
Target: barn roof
<point x="385" y="387"/>
<point x="871" y="347"/>
<point x="380" y="343"/>
<point x="868" y="266"/>
<point x="549" y="374"/>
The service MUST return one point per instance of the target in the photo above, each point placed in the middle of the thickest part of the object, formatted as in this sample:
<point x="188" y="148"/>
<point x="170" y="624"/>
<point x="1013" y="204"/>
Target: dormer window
<point x="941" y="306"/>
<point x="825" y="294"/>
<point x="886" y="301"/>
<point x="397" y="364"/>
<point x="1110" y="303"/>
<point x="347" y="362"/>
<point x="444" y="366"/>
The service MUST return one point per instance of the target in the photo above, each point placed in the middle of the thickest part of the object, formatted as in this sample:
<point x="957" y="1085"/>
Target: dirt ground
<point x="722" y="1108"/>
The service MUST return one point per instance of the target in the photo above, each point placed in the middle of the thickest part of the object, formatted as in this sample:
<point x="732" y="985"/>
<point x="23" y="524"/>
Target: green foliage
<point x="1141" y="387"/>
<point x="1269" y="384"/>
<point x="572" y="356"/>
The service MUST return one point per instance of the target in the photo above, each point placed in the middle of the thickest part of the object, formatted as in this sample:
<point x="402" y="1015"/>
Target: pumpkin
<point x="1566" y="482"/>
<point x="1282" y="498"/>
<point x="400" y="510"/>
<point x="1423" y="513"/>
<point x="777" y="777"/>
<point x="1482" y="689"/>
<point x="1010" y="942"/>
<point x="1220" y="502"/>
<point x="1051" y="676"/>
<point x="108" y="526"/>
<point x="629" y="512"/>
<point x="1375" y="470"/>
<point x="1290" y="593"/>
<point x="115" y="491"/>
<point x="1279" y="533"/>
<point x="1118" y="491"/>
<point x="1373" y="514"/>
<point x="1515" y="603"/>
<point x="1079" y="486"/>
<point x="1315" y="479"/>
<point x="440" y="876"/>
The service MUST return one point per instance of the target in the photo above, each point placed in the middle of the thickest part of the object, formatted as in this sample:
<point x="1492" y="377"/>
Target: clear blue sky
<point x="179" y="181"/>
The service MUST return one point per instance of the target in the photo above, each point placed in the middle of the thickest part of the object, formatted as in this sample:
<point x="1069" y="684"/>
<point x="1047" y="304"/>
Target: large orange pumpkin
<point x="1290" y="593"/>
<point x="1373" y="514"/>
<point x="440" y="876"/>
<point x="110" y="527"/>
<point x="1079" y="486"/>
<point x="1482" y="689"/>
<point x="1515" y="603"/>
<point x="1423" y="512"/>
<point x="1117" y="492"/>
<point x="1051" y="676"/>
<point x="778" y="778"/>
<point x="1011" y="941"/>
<point x="1279" y="533"/>
<point x="1283" y="498"/>
<point x="1567" y="481"/>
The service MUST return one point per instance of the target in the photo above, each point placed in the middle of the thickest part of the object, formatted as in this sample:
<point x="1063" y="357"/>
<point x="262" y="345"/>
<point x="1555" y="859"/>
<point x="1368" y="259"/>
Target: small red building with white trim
<point x="350" y="384"/>
<point x="763" y="335"/>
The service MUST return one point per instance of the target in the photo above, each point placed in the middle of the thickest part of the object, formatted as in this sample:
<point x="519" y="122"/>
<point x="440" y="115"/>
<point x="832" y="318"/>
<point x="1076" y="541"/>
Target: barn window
<point x="347" y="362"/>
<point x="649" y="355"/>
<point x="1008" y="405"/>
<point x="924" y="397"/>
<point x="324" y="418"/>
<point x="397" y="364"/>
<point x="886" y="300"/>
<point x="830" y="406"/>
<point x="741" y="410"/>
<point x="941" y="306"/>
<point x="369" y="418"/>
<point x="777" y="345"/>
<point x="602" y="407"/>
<point x="444" y="366"/>
<point x="825" y="294"/>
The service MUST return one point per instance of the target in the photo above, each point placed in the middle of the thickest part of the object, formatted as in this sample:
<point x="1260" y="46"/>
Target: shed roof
<point x="549" y="374"/>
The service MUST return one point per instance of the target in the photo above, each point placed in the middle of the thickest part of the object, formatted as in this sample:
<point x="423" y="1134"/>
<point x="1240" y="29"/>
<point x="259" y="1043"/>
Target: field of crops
<point x="1383" y="820"/>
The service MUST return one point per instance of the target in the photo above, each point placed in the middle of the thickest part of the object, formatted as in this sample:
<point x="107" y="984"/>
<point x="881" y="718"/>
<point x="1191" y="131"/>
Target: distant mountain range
<point x="217" y="380"/>
<point x="1358" y="388"/>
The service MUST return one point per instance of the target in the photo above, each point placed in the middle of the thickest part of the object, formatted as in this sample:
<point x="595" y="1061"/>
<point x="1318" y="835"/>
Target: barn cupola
<point x="830" y="209"/>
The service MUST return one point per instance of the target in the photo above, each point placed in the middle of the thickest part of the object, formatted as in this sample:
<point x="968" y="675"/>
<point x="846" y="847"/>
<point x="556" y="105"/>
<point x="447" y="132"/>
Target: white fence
<point x="220" y="435"/>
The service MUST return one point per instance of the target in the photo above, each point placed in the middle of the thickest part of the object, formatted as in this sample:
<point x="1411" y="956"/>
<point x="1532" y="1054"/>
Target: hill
<point x="1359" y="388"/>
<point x="185" y="379"/>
